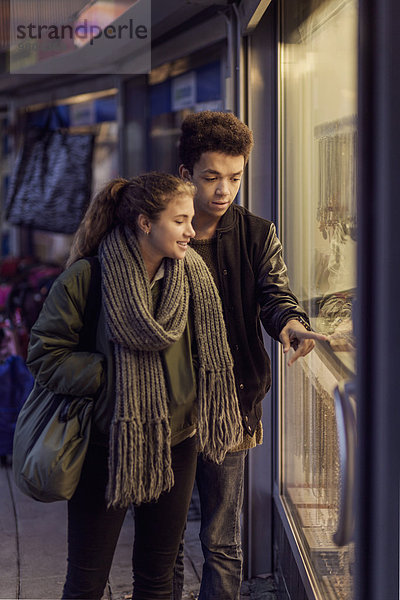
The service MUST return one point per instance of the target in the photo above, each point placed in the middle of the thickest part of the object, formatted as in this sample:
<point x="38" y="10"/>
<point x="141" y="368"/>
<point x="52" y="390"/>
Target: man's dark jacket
<point x="254" y="285"/>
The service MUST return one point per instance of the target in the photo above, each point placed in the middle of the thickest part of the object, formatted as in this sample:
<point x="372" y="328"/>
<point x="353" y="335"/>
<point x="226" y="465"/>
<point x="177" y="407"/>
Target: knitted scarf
<point x="140" y="437"/>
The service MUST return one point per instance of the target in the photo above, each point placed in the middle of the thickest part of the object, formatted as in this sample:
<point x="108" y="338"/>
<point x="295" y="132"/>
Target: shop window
<point x="318" y="138"/>
<point x="93" y="114"/>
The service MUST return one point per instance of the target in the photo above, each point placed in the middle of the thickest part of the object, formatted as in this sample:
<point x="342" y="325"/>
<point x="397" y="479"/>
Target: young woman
<point x="161" y="373"/>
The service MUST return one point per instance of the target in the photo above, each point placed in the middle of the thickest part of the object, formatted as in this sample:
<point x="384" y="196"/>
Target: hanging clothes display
<point x="51" y="182"/>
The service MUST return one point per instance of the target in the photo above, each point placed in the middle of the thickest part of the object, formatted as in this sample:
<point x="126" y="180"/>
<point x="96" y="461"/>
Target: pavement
<point x="33" y="551"/>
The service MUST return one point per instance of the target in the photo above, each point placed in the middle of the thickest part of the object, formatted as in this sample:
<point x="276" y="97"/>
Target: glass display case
<point x="318" y="138"/>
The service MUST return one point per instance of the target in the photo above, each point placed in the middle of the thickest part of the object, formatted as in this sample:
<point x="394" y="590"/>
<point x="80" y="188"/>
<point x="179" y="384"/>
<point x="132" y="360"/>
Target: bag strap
<point x="93" y="304"/>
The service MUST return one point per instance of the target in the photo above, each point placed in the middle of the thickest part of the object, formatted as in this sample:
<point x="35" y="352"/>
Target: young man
<point x="245" y="257"/>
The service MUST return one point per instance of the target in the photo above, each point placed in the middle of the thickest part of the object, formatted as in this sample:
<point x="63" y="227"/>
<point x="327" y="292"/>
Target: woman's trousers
<point x="93" y="530"/>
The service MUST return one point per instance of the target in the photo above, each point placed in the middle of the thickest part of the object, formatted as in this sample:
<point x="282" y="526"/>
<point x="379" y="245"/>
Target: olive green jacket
<point x="58" y="364"/>
<point x="54" y="357"/>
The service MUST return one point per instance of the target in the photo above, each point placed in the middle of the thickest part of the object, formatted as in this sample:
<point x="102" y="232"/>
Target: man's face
<point x="217" y="178"/>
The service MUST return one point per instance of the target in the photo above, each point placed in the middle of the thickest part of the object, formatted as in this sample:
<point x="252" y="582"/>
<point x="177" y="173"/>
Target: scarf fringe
<point x="219" y="425"/>
<point x="140" y="462"/>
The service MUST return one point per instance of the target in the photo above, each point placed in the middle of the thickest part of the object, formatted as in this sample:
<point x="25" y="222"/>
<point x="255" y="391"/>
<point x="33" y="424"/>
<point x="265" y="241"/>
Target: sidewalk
<point x="33" y="551"/>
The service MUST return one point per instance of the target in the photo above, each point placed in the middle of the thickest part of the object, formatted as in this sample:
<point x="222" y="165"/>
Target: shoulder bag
<point x="53" y="430"/>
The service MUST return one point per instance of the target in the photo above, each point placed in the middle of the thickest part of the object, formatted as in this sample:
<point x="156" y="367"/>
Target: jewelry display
<point x="336" y="213"/>
<point x="318" y="179"/>
<point x="313" y="478"/>
<point x="336" y="218"/>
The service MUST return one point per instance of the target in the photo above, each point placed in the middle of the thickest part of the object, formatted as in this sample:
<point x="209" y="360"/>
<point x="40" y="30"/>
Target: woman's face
<point x="170" y="234"/>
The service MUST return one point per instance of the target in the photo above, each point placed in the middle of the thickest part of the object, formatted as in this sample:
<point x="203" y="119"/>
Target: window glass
<point x="318" y="137"/>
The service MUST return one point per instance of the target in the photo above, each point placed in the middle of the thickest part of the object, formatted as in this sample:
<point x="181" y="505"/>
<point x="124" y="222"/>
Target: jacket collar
<point x="228" y="220"/>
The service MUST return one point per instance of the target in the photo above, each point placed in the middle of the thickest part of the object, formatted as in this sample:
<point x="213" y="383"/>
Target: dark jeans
<point x="93" y="530"/>
<point x="221" y="500"/>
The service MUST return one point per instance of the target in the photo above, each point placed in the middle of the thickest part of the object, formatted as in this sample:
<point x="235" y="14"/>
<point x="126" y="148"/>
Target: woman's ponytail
<point x="100" y="218"/>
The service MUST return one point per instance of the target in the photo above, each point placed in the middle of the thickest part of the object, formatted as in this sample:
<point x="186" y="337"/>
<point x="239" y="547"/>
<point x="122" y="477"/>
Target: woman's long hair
<point x="120" y="202"/>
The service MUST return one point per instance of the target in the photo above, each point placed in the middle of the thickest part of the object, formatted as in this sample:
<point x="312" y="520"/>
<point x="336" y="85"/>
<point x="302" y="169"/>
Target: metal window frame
<point x="377" y="326"/>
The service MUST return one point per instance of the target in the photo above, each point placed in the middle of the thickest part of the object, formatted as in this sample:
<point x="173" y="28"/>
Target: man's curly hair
<point x="210" y="131"/>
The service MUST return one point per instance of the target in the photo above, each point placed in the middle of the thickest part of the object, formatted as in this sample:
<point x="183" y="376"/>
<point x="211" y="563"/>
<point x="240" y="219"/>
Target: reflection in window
<point x="318" y="136"/>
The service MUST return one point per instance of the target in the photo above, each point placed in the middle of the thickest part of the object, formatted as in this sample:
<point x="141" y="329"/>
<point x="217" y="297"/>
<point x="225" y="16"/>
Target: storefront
<point x="317" y="134"/>
<point x="312" y="66"/>
<point x="317" y="81"/>
<point x="322" y="76"/>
